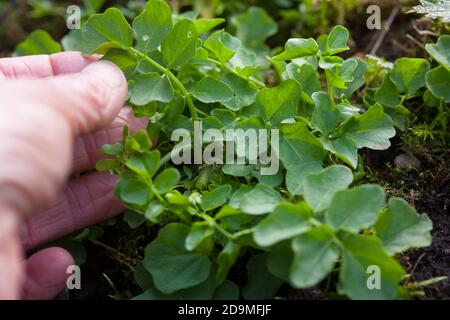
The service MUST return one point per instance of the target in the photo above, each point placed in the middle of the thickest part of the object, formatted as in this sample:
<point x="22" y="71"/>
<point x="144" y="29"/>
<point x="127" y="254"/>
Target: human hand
<point x="54" y="111"/>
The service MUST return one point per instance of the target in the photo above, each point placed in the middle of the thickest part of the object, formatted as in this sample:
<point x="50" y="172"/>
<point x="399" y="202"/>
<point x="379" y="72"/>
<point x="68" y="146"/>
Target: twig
<point x="114" y="252"/>
<point x="415" y="41"/>
<point x="385" y="30"/>
<point x="415" y="266"/>
<point x="175" y="6"/>
<point x="425" y="32"/>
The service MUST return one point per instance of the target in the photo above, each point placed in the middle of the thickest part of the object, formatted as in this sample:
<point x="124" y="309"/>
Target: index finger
<point x="43" y="66"/>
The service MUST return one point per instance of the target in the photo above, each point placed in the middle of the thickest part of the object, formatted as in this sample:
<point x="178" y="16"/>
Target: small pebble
<point x="405" y="161"/>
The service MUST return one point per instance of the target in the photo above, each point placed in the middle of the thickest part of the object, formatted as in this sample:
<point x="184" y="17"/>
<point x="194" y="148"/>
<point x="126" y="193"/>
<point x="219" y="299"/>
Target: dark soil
<point x="428" y="190"/>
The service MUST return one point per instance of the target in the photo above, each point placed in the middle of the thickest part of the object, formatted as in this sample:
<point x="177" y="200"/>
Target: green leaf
<point x="344" y="148"/>
<point x="151" y="87"/>
<point x="107" y="165"/>
<point x="372" y="130"/>
<point x="152" y="25"/>
<point x="166" y="180"/>
<point x="226" y="260"/>
<point x="154" y="211"/>
<point x="72" y="40"/>
<point x="227" y="291"/>
<point x="387" y="94"/>
<point x="112" y="149"/>
<point x="145" y="164"/>
<point x="98" y="35"/>
<point x="204" y="25"/>
<point x="409" y="74"/>
<point x="400" y="227"/>
<point x="261" y="284"/>
<point x="244" y="62"/>
<point x="280" y="260"/>
<point x="298" y="145"/>
<point x="38" y="42"/>
<point x="306" y="75"/>
<point x="337" y="40"/>
<point x="244" y="92"/>
<point x="325" y="115"/>
<point x="123" y="59"/>
<point x="133" y="190"/>
<point x="199" y="232"/>
<point x="319" y="188"/>
<point x="438" y="82"/>
<point x="142" y="277"/>
<point x="222" y="45"/>
<point x="180" y="45"/>
<point x="257" y="200"/>
<point x="298" y="48"/>
<point x="358" y="79"/>
<point x="296" y="174"/>
<point x="133" y="219"/>
<point x="356" y="208"/>
<point x="315" y="255"/>
<point x="330" y="62"/>
<point x="254" y="26"/>
<point x="280" y="103"/>
<point x="439" y="51"/>
<point x="215" y="198"/>
<point x="286" y="221"/>
<point x="140" y="142"/>
<point x="360" y="253"/>
<point x="210" y="90"/>
<point x="171" y="265"/>
<point x="237" y="170"/>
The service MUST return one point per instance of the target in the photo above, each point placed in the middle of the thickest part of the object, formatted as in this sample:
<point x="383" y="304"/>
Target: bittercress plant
<point x="306" y="221"/>
<point x="310" y="220"/>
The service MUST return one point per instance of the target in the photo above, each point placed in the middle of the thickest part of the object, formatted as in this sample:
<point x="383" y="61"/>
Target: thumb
<point x="41" y="117"/>
<point x="88" y="100"/>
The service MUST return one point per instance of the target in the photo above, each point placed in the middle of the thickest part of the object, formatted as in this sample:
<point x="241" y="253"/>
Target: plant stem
<point x="168" y="156"/>
<point x="186" y="94"/>
<point x="258" y="83"/>
<point x="215" y="225"/>
<point x="330" y="87"/>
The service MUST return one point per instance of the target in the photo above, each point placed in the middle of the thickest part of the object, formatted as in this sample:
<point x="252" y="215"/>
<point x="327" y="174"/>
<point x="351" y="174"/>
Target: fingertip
<point x="46" y="274"/>
<point x="108" y="72"/>
<point x="103" y="75"/>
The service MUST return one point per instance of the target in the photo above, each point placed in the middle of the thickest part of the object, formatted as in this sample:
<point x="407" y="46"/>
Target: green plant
<point x="311" y="220"/>
<point x="298" y="226"/>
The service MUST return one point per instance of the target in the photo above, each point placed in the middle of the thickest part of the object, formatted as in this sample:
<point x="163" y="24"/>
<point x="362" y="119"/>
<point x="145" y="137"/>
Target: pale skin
<point x="56" y="112"/>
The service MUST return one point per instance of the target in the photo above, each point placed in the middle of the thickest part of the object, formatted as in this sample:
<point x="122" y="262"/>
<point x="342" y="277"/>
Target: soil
<point x="428" y="190"/>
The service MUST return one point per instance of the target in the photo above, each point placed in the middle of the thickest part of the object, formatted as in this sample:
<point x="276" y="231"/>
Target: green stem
<point x="330" y="87"/>
<point x="168" y="156"/>
<point x="181" y="87"/>
<point x="216" y="226"/>
<point x="258" y="83"/>
<point x="243" y="233"/>
<point x="426" y="283"/>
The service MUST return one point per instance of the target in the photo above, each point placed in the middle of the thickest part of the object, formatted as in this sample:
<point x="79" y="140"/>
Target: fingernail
<point x="108" y="72"/>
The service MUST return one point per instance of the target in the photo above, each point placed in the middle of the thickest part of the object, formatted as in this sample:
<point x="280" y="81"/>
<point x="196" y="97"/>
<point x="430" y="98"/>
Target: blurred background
<point x="291" y="18"/>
